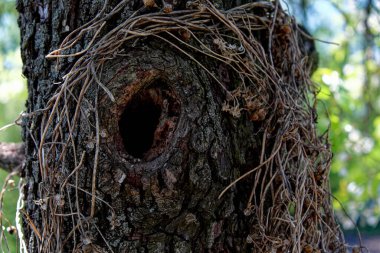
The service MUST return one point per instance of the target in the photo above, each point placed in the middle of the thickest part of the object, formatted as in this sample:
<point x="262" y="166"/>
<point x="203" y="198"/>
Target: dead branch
<point x="11" y="155"/>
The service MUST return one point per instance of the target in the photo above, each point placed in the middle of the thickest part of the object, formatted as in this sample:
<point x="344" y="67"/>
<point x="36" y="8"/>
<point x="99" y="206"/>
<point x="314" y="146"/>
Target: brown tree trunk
<point x="140" y="165"/>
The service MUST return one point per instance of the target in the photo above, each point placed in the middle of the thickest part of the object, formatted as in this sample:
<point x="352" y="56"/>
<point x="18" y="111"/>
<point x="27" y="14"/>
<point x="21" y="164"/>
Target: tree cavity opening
<point x="139" y="122"/>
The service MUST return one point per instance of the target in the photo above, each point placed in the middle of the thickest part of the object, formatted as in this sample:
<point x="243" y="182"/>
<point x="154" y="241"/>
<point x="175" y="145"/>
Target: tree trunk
<point x="135" y="159"/>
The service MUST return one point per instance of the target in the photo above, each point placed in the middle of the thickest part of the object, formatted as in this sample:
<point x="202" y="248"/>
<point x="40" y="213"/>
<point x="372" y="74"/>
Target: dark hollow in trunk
<point x="139" y="122"/>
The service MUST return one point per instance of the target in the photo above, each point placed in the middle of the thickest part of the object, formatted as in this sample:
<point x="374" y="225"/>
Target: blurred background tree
<point x="349" y="101"/>
<point x="12" y="103"/>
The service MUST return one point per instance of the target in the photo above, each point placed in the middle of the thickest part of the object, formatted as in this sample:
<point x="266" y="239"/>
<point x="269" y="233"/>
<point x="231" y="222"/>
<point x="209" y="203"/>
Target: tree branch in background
<point x="11" y="155"/>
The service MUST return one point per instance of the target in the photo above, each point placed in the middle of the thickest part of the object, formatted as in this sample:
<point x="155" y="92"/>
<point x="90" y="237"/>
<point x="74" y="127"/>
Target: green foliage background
<point x="12" y="103"/>
<point x="349" y="100"/>
<point x="349" y="79"/>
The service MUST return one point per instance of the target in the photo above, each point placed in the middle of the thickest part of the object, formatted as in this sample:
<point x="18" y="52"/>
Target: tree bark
<point x="166" y="149"/>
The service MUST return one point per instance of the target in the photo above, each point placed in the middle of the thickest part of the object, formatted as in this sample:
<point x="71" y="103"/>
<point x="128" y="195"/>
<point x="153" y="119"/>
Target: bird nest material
<point x="274" y="89"/>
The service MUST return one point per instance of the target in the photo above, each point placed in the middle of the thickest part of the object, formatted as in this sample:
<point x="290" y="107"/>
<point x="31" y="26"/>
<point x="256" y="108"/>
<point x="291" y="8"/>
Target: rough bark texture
<point x="165" y="197"/>
<point x="167" y="149"/>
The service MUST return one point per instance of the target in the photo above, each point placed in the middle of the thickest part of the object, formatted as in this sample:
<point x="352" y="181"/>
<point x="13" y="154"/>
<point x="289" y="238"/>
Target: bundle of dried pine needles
<point x="297" y="216"/>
